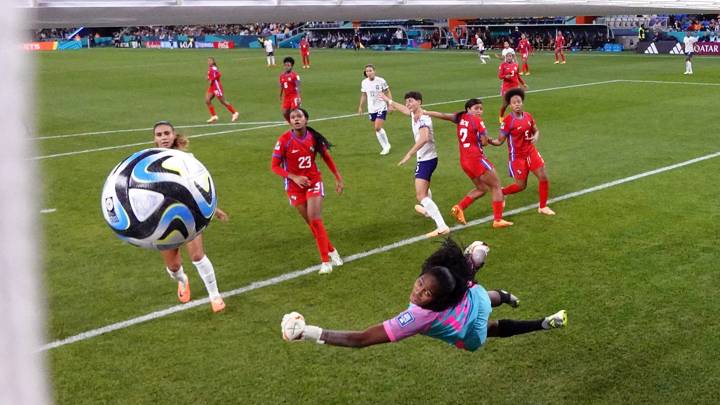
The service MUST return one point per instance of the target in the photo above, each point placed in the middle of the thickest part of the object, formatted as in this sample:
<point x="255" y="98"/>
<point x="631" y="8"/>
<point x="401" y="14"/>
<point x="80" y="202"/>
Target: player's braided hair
<point x="451" y="271"/>
<point x="320" y="140"/>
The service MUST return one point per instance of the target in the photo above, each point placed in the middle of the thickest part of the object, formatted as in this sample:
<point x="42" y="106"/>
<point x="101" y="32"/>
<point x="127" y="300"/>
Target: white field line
<point x="117" y="131"/>
<point x="668" y="82"/>
<point x="357" y="256"/>
<point x="48" y="210"/>
<point x="79" y="152"/>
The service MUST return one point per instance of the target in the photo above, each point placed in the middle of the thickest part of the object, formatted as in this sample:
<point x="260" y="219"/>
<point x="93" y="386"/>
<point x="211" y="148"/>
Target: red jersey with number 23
<point x="297" y="156"/>
<point x="519" y="131"/>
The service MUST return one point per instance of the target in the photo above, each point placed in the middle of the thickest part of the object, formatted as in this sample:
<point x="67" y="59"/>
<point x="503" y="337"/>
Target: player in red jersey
<point x="521" y="132"/>
<point x="305" y="52"/>
<point x="525" y="49"/>
<point x="294" y="160"/>
<point x="216" y="90"/>
<point x="289" y="88"/>
<point x="472" y="136"/>
<point x="559" y="47"/>
<point x="508" y="73"/>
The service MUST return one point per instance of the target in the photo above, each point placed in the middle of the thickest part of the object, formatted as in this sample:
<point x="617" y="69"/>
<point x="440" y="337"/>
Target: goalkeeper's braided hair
<point x="452" y="272"/>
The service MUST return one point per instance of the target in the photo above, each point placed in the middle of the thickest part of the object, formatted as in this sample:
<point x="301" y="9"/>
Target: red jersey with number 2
<point x="519" y="131"/>
<point x="470" y="130"/>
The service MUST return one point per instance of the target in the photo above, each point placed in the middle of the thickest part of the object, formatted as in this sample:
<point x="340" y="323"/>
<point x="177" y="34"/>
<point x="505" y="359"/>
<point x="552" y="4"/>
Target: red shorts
<point x="215" y="90"/>
<point x="290" y="103"/>
<point x="298" y="196"/>
<point x="521" y="167"/>
<point x="476" y="168"/>
<point x="524" y="55"/>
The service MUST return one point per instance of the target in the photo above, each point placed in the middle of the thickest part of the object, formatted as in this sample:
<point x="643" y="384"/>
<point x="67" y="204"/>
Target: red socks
<point x="465" y="202"/>
<point x="321" y="238"/>
<point x="212" y="109"/>
<point x="511" y="189"/>
<point x="543" y="188"/>
<point x="230" y="108"/>
<point x="497" y="210"/>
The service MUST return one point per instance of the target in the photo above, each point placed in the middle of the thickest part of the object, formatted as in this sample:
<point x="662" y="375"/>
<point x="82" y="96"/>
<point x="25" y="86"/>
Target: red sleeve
<point x="500" y="72"/>
<point x="505" y="126"/>
<point x="277" y="158"/>
<point x="329" y="162"/>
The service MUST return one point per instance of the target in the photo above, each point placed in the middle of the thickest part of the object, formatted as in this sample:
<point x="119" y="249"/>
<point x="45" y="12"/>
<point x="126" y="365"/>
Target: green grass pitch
<point x="635" y="265"/>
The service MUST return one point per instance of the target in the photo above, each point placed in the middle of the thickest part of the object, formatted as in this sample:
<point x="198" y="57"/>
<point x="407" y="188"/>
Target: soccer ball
<point x="476" y="254"/>
<point x="158" y="198"/>
<point x="292" y="325"/>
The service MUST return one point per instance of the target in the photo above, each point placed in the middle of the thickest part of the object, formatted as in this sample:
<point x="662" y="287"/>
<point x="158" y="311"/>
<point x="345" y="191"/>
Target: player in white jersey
<point x="370" y="90"/>
<point x="689" y="42"/>
<point x="427" y="160"/>
<point x="481" y="49"/>
<point x="269" y="51"/>
<point x="506" y="50"/>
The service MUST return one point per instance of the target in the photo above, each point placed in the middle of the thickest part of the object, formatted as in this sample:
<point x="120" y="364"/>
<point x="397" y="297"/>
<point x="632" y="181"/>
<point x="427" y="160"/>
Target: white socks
<point x="178" y="276"/>
<point x="382" y="138"/>
<point x="434" y="212"/>
<point x="688" y="67"/>
<point x="207" y="273"/>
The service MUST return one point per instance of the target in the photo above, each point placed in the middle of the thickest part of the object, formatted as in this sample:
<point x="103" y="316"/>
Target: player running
<point x="446" y="303"/>
<point x="525" y="50"/>
<point x="305" y="52"/>
<point x="370" y="89"/>
<point x="508" y="73"/>
<point x="294" y="160"/>
<point x="215" y="90"/>
<point x="289" y="88"/>
<point x="426" y="155"/>
<point x="481" y="48"/>
<point x="164" y="136"/>
<point x="559" y="47"/>
<point x="472" y="136"/>
<point x="521" y="132"/>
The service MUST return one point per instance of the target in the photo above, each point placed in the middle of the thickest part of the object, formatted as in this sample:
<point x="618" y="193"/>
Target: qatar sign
<point x="707" y="48"/>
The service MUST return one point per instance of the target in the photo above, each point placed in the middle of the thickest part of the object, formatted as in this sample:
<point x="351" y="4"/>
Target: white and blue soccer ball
<point x="158" y="198"/>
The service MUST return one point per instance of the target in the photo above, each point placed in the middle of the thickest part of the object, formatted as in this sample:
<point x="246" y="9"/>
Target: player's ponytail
<point x="450" y="269"/>
<point x="181" y="142"/>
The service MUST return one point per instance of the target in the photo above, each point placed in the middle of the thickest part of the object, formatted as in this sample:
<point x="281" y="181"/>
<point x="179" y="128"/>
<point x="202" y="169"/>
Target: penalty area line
<point x="357" y="256"/>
